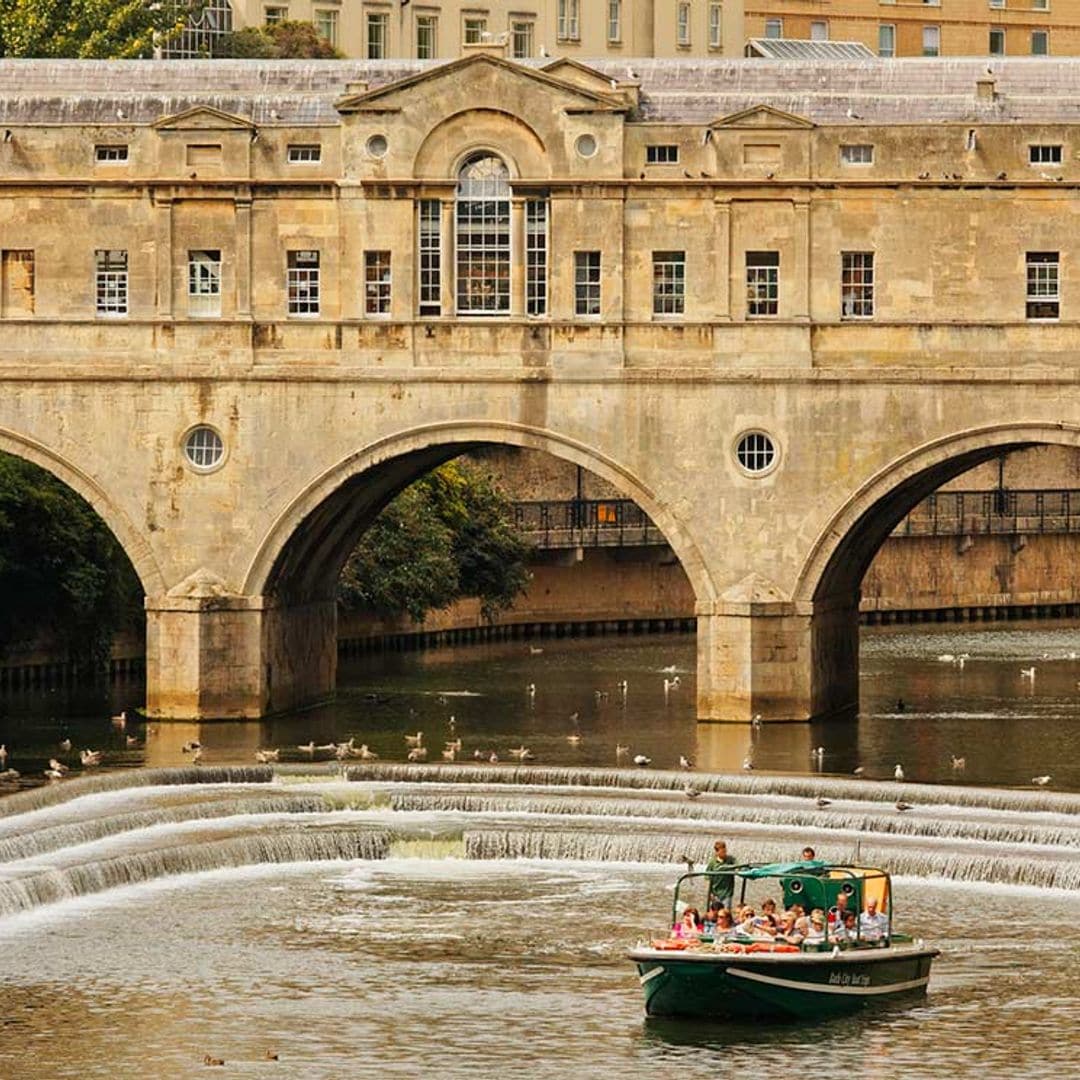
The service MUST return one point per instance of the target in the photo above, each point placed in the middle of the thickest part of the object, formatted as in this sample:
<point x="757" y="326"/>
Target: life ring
<point x="670" y="944"/>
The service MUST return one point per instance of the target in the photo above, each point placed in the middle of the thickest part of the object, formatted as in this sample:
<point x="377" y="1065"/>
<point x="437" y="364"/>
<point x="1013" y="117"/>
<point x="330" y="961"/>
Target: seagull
<point x="364" y="754"/>
<point x="53" y="774"/>
<point x="57" y="766"/>
<point x="1028" y="673"/>
<point x="453" y="744"/>
<point x="478" y="754"/>
<point x="131" y="740"/>
<point x="958" y="763"/>
<point x="669" y="670"/>
<point x="622" y="686"/>
<point x="902" y="806"/>
<point x="691" y="792"/>
<point x="188" y="747"/>
<point x="530" y="689"/>
<point x="1002" y="176"/>
<point x="327" y="748"/>
<point x="756" y="722"/>
<point x="574" y="718"/>
<point x="65" y="745"/>
<point x="573" y="739"/>
<point x="852" y="114"/>
<point x="415" y="740"/>
<point x="418" y="753"/>
<point x="307" y="748"/>
<point x="898" y="772"/>
<point x="119" y="720"/>
<point x="858" y="771"/>
<point x="1041" y="781"/>
<point x="3" y="755"/>
<point x="642" y="760"/>
<point x="685" y="762"/>
<point x="493" y="758"/>
<point x="196" y="757"/>
<point x="522" y="753"/>
<point x="689" y="863"/>
<point x="264" y="757"/>
<point x="90" y="758"/>
<point x="924" y="176"/>
<point x="747" y="764"/>
<point x="947" y="658"/>
<point x="823" y="802"/>
<point x="449" y="754"/>
<point x="535" y="650"/>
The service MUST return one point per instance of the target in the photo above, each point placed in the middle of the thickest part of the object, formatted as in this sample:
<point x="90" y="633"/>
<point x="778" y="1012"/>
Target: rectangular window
<point x="1044" y="154"/>
<point x="377" y="282"/>
<point x="997" y="41"/>
<point x="682" y="25"/>
<point x="857" y="285"/>
<point x="302" y="282"/>
<point x="774" y="28"/>
<point x="614" y="21"/>
<point x="536" y="255"/>
<point x="204" y="283"/>
<point x="716" y="26"/>
<point x="669" y="282"/>
<point x="430" y="256"/>
<point x="1040" y="42"/>
<point x="586" y="282"/>
<point x="16" y="283"/>
<point x="1040" y="5"/>
<point x="819" y="31"/>
<point x="569" y="20"/>
<point x="886" y="40"/>
<point x="304" y="153"/>
<point x="521" y="38"/>
<point x="378" y="33"/>
<point x="762" y="283"/>
<point x="427" y="37"/>
<point x="857" y="154"/>
<point x="111" y="282"/>
<point x="110" y="154"/>
<point x="1043" y="285"/>
<point x="273" y="15"/>
<point x="662" y="154"/>
<point x="997" y="3"/>
<point x="931" y="41"/>
<point x="326" y="24"/>
<point x="474" y="29"/>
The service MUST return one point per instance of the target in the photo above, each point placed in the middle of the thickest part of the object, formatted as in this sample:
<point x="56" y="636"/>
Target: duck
<point x="58" y="766"/>
<point x="119" y="720"/>
<point x="822" y="802"/>
<point x="90" y="758"/>
<point x="685" y="762"/>
<point x="1041" y="781"/>
<point x="858" y="770"/>
<point x="131" y="740"/>
<point x="641" y="760"/>
<point x="691" y="792"/>
<point x="307" y="748"/>
<point x="454" y="744"/>
<point x="418" y="753"/>
<point x="902" y="806"/>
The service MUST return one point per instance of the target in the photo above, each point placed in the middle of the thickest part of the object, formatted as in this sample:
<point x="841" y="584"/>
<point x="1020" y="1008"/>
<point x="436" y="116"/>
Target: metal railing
<point x="574" y="523"/>
<point x="1000" y="511"/>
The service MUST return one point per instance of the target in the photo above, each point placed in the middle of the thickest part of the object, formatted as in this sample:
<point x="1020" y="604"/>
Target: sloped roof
<point x="292" y="92"/>
<point x="791" y="49"/>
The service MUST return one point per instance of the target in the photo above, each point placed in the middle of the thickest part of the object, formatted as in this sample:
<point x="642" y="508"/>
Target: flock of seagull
<point x="58" y="769"/>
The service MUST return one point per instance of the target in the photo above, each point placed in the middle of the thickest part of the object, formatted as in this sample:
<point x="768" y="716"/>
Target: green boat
<point x="754" y="974"/>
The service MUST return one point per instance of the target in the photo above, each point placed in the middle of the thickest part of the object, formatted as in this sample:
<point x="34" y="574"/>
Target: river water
<point x="395" y="920"/>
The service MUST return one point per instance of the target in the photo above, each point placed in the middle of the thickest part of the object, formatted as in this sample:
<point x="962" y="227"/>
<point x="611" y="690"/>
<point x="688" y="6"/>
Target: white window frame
<point x="857" y="154"/>
<point x="1043" y="275"/>
<point x="304" y="153"/>
<point x="891" y="51"/>
<point x="999" y="4"/>
<point x="762" y="284"/>
<point x="303" y="283"/>
<point x="111" y="283"/>
<point x="682" y="25"/>
<point x="1040" y="5"/>
<point x="430" y="255"/>
<point x="568" y="20"/>
<point x="378" y="283"/>
<point x="588" y="268"/>
<point x="429" y="23"/>
<point x="936" y="32"/>
<point x="716" y="26"/>
<point x="856" y="285"/>
<point x="662" y="154"/>
<point x="280" y="14"/>
<point x="473" y="28"/>
<point x="614" y="22"/>
<point x="377" y="44"/>
<point x="536" y="257"/>
<point x="328" y="18"/>
<point x="669" y="284"/>
<point x="776" y="25"/>
<point x="823" y="23"/>
<point x="204" y="283"/>
<point x="111" y="153"/>
<point x="522" y="38"/>
<point x="1040" y="154"/>
<point x="482" y="217"/>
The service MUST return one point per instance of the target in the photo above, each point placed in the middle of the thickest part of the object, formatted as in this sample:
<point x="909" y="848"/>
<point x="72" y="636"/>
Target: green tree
<point x="449" y="535"/>
<point x="287" y="40"/>
<point x="63" y="576"/>
<point x="89" y="29"/>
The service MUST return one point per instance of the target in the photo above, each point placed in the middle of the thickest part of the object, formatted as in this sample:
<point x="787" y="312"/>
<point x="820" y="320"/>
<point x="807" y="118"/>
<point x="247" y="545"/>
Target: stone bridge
<point x="238" y="421"/>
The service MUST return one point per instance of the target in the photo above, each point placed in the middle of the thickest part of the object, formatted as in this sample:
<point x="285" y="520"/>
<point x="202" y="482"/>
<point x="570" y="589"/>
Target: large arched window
<point x="482" y="236"/>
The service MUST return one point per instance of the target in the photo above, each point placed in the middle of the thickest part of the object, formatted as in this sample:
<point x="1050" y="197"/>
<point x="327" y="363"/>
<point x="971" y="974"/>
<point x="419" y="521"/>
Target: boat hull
<point x="803" y="986"/>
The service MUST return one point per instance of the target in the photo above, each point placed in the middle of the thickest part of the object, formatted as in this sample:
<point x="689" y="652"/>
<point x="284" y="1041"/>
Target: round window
<point x="377" y="146"/>
<point x="203" y="448"/>
<point x="756" y="452"/>
<point x="586" y="145"/>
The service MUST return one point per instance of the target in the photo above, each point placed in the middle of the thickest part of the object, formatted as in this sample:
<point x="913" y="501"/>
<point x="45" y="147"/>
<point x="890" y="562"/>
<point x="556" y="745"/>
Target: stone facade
<point x="243" y="304"/>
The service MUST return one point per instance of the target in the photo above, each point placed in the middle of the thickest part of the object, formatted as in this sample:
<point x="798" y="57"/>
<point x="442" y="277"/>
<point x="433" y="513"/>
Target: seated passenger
<point x="768" y="911"/>
<point x="689" y="924"/>
<point x="708" y="926"/>
<point x="725" y="924"/>
<point x="788" y="932"/>
<point x="846" y="932"/>
<point x="873" y="924"/>
<point x="817" y="927"/>
<point x="838" y="911"/>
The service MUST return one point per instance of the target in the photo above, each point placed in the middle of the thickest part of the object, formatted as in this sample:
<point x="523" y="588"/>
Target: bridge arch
<point x="303" y="552"/>
<point x="123" y="529"/>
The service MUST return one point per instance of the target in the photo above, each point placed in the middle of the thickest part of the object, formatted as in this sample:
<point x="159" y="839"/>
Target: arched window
<point x="482" y="236"/>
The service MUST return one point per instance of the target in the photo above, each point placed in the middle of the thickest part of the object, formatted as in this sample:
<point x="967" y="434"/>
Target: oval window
<point x="377" y="146"/>
<point x="586" y="145"/>
<point x="203" y="448"/>
<point x="756" y="453"/>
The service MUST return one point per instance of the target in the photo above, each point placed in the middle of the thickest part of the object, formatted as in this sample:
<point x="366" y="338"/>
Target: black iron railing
<point x="575" y="523"/>
<point x="1001" y="511"/>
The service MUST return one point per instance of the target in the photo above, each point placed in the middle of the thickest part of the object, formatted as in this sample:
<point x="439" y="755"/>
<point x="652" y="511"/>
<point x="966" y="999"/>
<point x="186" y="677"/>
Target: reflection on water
<point x="454" y="969"/>
<point x="921" y="706"/>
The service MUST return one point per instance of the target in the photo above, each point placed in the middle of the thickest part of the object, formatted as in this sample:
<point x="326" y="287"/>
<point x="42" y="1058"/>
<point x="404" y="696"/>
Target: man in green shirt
<point x="721" y="886"/>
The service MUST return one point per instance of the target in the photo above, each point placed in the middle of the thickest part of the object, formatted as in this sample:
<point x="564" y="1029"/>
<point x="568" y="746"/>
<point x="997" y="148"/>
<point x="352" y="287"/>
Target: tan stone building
<point x="432" y="29"/>
<point x="242" y="304"/>
<point x="928" y="28"/>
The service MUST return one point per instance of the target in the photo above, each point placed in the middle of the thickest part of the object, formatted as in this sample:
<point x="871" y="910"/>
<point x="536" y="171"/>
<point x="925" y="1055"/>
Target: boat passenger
<point x="689" y="924"/>
<point x="817" y="927"/>
<point x="768" y="911"/>
<point x="721" y="886"/>
<point x="708" y="926"/>
<point x="874" y="924"/>
<point x="808" y="854"/>
<point x="725" y="924"/>
<point x="848" y="931"/>
<point x="788" y="932"/>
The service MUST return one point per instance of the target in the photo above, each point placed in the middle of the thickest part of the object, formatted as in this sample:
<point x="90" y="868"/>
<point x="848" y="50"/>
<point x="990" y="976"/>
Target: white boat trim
<point x="650" y="975"/>
<point x="817" y="988"/>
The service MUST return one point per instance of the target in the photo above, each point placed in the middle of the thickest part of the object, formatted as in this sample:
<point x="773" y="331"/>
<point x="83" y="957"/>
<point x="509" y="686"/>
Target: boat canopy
<point x="781" y="869"/>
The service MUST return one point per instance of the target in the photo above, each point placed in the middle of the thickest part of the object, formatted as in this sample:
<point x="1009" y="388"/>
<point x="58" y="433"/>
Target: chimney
<point x="986" y="87"/>
<point x="488" y="45"/>
<point x="356" y="86"/>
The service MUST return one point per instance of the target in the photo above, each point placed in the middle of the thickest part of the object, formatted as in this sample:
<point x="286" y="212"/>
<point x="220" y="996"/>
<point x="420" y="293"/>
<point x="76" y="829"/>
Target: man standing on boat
<point x="721" y="886"/>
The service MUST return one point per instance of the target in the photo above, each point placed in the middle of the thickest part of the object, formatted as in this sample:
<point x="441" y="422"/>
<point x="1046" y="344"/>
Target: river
<point x="385" y="921"/>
